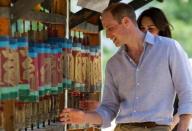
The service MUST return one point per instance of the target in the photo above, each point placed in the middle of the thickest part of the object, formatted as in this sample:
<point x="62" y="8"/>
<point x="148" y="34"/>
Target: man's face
<point x="114" y="30"/>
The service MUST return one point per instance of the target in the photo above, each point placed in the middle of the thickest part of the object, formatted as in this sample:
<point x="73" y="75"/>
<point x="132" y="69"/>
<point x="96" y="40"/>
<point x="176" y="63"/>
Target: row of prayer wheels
<point x="36" y="65"/>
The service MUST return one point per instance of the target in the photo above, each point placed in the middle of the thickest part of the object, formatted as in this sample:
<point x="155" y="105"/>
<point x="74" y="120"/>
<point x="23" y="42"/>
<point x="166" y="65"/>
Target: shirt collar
<point x="149" y="39"/>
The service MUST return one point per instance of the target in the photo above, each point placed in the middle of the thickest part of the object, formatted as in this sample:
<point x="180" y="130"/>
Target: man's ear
<point x="125" y="21"/>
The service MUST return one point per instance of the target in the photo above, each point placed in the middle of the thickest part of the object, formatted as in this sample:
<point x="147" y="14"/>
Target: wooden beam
<point x="114" y="1"/>
<point x="22" y="7"/>
<point x="84" y="15"/>
<point x="45" y="17"/>
<point x="86" y="27"/>
<point x="135" y="3"/>
<point x="5" y="12"/>
<point x="81" y="16"/>
<point x="9" y="109"/>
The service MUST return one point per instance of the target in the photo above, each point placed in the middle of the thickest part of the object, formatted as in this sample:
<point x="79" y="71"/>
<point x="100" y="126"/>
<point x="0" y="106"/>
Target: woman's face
<point x="148" y="25"/>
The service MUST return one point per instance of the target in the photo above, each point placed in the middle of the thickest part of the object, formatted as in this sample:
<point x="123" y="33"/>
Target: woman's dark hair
<point x="159" y="19"/>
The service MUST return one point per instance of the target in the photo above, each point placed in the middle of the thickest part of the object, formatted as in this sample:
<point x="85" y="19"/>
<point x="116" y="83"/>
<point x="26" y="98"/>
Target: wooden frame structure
<point x="23" y="9"/>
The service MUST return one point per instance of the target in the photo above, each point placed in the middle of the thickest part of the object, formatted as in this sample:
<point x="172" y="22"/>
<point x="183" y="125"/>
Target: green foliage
<point x="182" y="33"/>
<point x="184" y="11"/>
<point x="179" y="14"/>
<point x="106" y="50"/>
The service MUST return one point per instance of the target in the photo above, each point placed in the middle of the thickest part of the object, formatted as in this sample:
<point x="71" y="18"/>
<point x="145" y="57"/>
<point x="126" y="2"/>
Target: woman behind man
<point x="155" y="21"/>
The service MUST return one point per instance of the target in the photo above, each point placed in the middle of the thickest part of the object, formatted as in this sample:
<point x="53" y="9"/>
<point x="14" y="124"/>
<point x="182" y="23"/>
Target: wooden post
<point x="9" y="109"/>
<point x="8" y="105"/>
<point x="59" y="7"/>
<point x="4" y="22"/>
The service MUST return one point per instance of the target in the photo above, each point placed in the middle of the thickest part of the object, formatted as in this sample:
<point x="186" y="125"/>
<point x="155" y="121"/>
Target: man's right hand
<point x="75" y="116"/>
<point x="72" y="116"/>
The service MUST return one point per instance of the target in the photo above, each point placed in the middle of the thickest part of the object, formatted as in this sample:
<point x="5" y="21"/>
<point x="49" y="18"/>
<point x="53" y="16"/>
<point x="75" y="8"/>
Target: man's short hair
<point x="120" y="10"/>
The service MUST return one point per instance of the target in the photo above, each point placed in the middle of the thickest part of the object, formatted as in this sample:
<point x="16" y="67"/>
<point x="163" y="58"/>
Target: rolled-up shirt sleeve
<point x="110" y="101"/>
<point x="181" y="71"/>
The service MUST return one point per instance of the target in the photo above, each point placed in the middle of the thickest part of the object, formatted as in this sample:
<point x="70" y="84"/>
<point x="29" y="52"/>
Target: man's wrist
<point x="184" y="122"/>
<point x="92" y="118"/>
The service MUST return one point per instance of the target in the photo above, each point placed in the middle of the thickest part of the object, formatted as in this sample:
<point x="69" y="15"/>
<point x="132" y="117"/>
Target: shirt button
<point x="138" y="84"/>
<point x="134" y="111"/>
